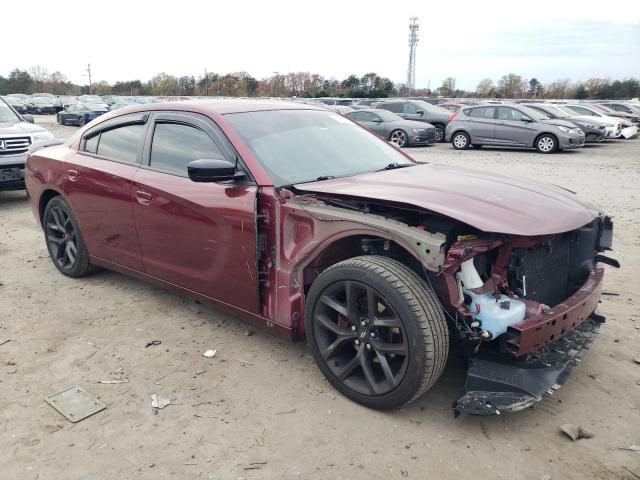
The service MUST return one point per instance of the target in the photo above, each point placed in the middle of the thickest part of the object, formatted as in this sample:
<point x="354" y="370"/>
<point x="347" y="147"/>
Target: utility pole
<point x="206" y="83"/>
<point x="89" y="72"/>
<point x="413" y="41"/>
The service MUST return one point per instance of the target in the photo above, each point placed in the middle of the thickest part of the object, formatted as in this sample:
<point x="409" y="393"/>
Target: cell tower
<point x="413" y="41"/>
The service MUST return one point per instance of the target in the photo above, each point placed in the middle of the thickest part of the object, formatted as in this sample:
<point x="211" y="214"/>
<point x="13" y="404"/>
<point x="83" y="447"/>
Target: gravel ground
<point x="260" y="408"/>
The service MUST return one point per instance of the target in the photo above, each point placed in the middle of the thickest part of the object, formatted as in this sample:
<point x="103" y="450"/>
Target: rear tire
<point x="81" y="121"/>
<point x="546" y="143"/>
<point x="376" y="330"/>
<point x="460" y="141"/>
<point x="439" y="132"/>
<point x="64" y="239"/>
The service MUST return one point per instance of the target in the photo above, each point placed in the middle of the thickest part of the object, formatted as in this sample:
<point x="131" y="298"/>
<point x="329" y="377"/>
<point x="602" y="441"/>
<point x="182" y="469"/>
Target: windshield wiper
<point x="394" y="165"/>
<point x="324" y="177"/>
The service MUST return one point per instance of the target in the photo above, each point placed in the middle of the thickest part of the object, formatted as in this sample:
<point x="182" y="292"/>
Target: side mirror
<point x="27" y="117"/>
<point x="377" y="120"/>
<point x="420" y="112"/>
<point x="213" y="170"/>
<point x="526" y="119"/>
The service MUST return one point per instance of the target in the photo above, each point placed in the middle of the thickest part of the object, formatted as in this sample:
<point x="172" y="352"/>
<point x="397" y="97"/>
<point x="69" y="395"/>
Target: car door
<point x="410" y="111"/>
<point x="480" y="122"/>
<point x="374" y="123"/>
<point x="199" y="236"/>
<point x="98" y="184"/>
<point x="513" y="127"/>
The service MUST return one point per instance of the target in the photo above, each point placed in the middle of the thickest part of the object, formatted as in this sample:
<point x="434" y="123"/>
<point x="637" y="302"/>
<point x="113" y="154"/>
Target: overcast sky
<point x="135" y="40"/>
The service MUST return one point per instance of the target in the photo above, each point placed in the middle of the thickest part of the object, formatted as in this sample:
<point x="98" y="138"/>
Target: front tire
<point x="64" y="239"/>
<point x="460" y="141"/>
<point x="81" y="121"/>
<point x="376" y="330"/>
<point x="399" y="137"/>
<point x="546" y="143"/>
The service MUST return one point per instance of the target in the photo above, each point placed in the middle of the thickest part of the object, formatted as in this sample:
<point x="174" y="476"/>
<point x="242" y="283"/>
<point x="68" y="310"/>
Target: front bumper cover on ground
<point x="496" y="385"/>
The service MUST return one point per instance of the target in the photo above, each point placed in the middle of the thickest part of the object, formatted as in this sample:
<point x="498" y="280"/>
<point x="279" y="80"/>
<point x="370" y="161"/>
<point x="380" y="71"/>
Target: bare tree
<point x="448" y="87"/>
<point x="486" y="88"/>
<point x="39" y="75"/>
<point x="509" y="85"/>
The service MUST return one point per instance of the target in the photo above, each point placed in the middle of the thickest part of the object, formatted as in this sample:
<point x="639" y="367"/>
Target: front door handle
<point x="143" y="198"/>
<point x="72" y="175"/>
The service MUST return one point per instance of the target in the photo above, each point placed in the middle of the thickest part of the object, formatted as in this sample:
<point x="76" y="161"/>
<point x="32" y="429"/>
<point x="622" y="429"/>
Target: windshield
<point x="296" y="146"/>
<point x="428" y="107"/>
<point x="554" y="110"/>
<point x="567" y="111"/>
<point x="534" y="113"/>
<point x="7" y="114"/>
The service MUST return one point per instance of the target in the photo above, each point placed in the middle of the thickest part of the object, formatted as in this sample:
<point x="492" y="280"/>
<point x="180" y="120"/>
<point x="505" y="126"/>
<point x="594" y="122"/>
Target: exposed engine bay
<point x="508" y="299"/>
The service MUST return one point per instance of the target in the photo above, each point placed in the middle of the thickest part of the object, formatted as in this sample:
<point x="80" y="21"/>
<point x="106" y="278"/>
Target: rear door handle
<point x="143" y="198"/>
<point x="72" y="175"/>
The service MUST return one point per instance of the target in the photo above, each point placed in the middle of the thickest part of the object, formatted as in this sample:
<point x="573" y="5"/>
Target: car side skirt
<point x="259" y="321"/>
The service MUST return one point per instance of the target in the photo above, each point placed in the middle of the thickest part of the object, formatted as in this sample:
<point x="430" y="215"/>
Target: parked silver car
<point x="420" y="111"/>
<point x="394" y="128"/>
<point x="511" y="126"/>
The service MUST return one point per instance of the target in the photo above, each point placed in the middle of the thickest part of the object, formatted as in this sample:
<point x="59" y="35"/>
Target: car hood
<point x="20" y="128"/>
<point x="561" y="123"/>
<point x="488" y="201"/>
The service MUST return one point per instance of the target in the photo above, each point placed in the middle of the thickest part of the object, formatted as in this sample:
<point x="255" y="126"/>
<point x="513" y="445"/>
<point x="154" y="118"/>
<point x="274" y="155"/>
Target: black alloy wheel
<point x="64" y="241"/>
<point x="376" y="330"/>
<point x="361" y="338"/>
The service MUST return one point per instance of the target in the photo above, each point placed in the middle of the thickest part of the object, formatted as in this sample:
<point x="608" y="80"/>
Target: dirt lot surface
<point x="260" y="408"/>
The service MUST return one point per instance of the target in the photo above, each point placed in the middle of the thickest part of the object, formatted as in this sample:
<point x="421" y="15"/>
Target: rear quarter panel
<point x="43" y="171"/>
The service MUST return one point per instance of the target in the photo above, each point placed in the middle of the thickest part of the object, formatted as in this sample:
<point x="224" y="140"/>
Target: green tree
<point x="4" y="85"/>
<point x="535" y="87"/>
<point x="351" y="83"/>
<point x="581" y="92"/>
<point x="20" y="82"/>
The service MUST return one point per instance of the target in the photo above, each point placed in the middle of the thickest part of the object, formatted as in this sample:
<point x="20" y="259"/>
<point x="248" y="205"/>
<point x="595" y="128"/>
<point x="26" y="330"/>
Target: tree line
<point x="304" y="84"/>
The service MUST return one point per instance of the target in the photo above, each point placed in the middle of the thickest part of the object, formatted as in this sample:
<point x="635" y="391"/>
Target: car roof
<point x="223" y="106"/>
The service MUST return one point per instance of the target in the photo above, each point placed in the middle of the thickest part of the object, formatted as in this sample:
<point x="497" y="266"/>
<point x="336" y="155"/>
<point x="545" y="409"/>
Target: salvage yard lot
<point x="260" y="408"/>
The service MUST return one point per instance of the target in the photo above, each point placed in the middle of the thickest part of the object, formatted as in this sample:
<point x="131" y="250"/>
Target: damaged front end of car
<point x="525" y="311"/>
<point x="521" y="308"/>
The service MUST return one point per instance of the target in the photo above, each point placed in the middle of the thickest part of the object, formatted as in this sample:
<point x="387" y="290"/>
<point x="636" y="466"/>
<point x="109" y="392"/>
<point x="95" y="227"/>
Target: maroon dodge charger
<point x="310" y="226"/>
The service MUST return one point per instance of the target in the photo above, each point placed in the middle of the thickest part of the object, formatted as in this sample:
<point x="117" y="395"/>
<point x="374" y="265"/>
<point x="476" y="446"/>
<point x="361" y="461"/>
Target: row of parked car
<point x="545" y="126"/>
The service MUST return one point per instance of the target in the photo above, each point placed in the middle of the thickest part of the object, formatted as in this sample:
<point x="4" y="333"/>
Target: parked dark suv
<point x="419" y="111"/>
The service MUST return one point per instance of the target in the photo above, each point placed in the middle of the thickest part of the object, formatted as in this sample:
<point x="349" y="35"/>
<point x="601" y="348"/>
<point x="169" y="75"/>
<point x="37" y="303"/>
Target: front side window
<point x="297" y="146"/>
<point x="582" y="111"/>
<point x="175" y="145"/>
<point x="409" y="108"/>
<point x="121" y="143"/>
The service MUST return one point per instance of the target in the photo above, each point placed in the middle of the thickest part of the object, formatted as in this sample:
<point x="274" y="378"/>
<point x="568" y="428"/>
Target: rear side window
<point x="392" y="107"/>
<point x="506" y="113"/>
<point x="121" y="143"/>
<point x="91" y="144"/>
<point x="582" y="111"/>
<point x="175" y="145"/>
<point x="481" y="112"/>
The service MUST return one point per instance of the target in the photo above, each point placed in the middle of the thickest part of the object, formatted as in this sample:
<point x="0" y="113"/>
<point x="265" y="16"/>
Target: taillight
<point x="453" y="115"/>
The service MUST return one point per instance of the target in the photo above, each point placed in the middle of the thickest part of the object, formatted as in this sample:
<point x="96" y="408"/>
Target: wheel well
<point x="355" y="246"/>
<point x="45" y="198"/>
<point x="546" y="133"/>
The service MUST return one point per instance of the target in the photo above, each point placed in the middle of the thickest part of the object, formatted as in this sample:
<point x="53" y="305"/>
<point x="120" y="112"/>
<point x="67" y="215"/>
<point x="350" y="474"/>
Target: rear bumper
<point x="502" y="385"/>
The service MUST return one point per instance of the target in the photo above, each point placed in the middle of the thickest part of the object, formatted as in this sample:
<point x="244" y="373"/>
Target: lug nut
<point x="363" y="323"/>
<point x="357" y="342"/>
<point x="368" y="346"/>
<point x="372" y="334"/>
<point x="353" y="328"/>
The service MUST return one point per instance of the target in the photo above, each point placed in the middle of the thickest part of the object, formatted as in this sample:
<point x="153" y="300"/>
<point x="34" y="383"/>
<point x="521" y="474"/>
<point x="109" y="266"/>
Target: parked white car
<point x="613" y="125"/>
<point x="627" y="130"/>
